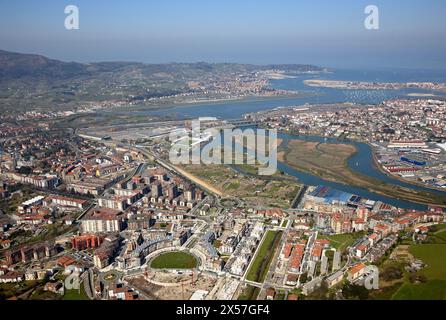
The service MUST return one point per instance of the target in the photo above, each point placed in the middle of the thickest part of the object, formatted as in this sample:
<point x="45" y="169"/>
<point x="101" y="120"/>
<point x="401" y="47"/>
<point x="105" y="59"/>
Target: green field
<point x="434" y="256"/>
<point x="75" y="294"/>
<point x="249" y="293"/>
<point x="437" y="234"/>
<point x="342" y="241"/>
<point x="265" y="254"/>
<point x="441" y="235"/>
<point x="8" y="290"/>
<point x="437" y="228"/>
<point x="431" y="290"/>
<point x="174" y="260"/>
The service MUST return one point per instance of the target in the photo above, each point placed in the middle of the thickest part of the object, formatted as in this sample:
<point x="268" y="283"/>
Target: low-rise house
<point x="12" y="277"/>
<point x="55" y="287"/>
<point x="270" y="294"/>
<point x="335" y="278"/>
<point x="356" y="272"/>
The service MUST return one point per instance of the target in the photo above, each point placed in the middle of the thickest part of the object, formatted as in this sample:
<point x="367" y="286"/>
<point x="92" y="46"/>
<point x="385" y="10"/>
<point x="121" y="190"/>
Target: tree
<point x="392" y="273"/>
<point x="320" y="293"/>
<point x="25" y="170"/>
<point x="352" y="292"/>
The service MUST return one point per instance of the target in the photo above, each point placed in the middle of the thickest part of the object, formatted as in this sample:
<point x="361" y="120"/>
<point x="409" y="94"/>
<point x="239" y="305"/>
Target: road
<point x="204" y="185"/>
<point x="197" y="234"/>
<point x="269" y="278"/>
<point x="137" y="171"/>
<point x="296" y="204"/>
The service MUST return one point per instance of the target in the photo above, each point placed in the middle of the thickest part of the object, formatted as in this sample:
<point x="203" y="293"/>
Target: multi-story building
<point x="47" y="181"/>
<point x="66" y="201"/>
<point x="101" y="220"/>
<point x="86" y="242"/>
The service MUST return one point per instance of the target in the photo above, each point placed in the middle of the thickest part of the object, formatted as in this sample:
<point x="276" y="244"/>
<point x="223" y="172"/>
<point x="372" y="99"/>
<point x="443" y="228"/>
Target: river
<point x="361" y="162"/>
<point x="236" y="109"/>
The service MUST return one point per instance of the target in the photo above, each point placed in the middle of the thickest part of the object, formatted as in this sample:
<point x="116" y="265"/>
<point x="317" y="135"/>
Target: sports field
<point x="174" y="260"/>
<point x="342" y="241"/>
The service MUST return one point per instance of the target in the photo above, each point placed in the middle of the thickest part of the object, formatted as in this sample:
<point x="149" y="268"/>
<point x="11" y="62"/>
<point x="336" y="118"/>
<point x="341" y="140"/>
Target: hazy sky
<point x="325" y="32"/>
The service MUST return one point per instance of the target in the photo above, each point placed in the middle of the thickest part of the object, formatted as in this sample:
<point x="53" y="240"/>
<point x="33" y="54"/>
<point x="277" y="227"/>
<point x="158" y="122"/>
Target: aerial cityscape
<point x="170" y="171"/>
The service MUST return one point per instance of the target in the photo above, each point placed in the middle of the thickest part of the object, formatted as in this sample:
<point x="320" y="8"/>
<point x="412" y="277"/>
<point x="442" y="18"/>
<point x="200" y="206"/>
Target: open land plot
<point x="8" y="290"/>
<point x="76" y="294"/>
<point x="342" y="241"/>
<point x="179" y="286"/>
<point x="252" y="189"/>
<point x="431" y="290"/>
<point x="434" y="256"/>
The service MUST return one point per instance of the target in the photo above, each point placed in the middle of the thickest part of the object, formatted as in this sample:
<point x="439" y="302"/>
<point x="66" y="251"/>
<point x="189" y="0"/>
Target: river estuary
<point x="362" y="161"/>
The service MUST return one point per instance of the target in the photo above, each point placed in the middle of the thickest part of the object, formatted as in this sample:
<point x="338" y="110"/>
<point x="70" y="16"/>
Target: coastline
<point x="365" y="85"/>
<point x="377" y="165"/>
<point x="167" y="106"/>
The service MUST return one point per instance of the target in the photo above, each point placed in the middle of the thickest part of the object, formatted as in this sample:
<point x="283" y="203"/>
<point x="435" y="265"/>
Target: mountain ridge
<point x="16" y="65"/>
<point x="35" y="82"/>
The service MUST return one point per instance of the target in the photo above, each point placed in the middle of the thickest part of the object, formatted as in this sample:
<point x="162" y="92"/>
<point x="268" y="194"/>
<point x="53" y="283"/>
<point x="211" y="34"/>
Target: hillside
<point x="34" y="82"/>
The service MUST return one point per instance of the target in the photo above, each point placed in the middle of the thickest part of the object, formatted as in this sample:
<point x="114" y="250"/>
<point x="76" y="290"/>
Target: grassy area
<point x="342" y="241"/>
<point x="256" y="190"/>
<point x="437" y="234"/>
<point x="280" y="296"/>
<point x="437" y="228"/>
<point x="434" y="256"/>
<point x="217" y="244"/>
<point x="431" y="290"/>
<point x="386" y="293"/>
<point x="9" y="206"/>
<point x="174" y="260"/>
<point x="264" y="255"/>
<point x="441" y="235"/>
<point x="76" y="294"/>
<point x="249" y="293"/>
<point x="233" y="186"/>
<point x="40" y="294"/>
<point x="8" y="290"/>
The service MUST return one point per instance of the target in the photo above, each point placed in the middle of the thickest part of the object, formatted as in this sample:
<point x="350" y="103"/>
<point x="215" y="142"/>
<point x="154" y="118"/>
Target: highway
<point x="205" y="186"/>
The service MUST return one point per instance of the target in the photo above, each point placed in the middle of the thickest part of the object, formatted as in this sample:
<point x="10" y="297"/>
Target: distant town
<point x="407" y="135"/>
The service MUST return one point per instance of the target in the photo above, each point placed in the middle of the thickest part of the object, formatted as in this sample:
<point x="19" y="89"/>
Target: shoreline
<point x="167" y="106"/>
<point x="283" y="155"/>
<point x="377" y="165"/>
<point x="366" y="85"/>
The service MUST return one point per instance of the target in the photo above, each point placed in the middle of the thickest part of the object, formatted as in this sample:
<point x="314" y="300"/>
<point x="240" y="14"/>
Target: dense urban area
<point x="96" y="211"/>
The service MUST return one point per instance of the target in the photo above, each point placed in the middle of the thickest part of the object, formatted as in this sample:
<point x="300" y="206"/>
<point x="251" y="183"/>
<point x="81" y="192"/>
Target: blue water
<point x="236" y="109"/>
<point x="362" y="162"/>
